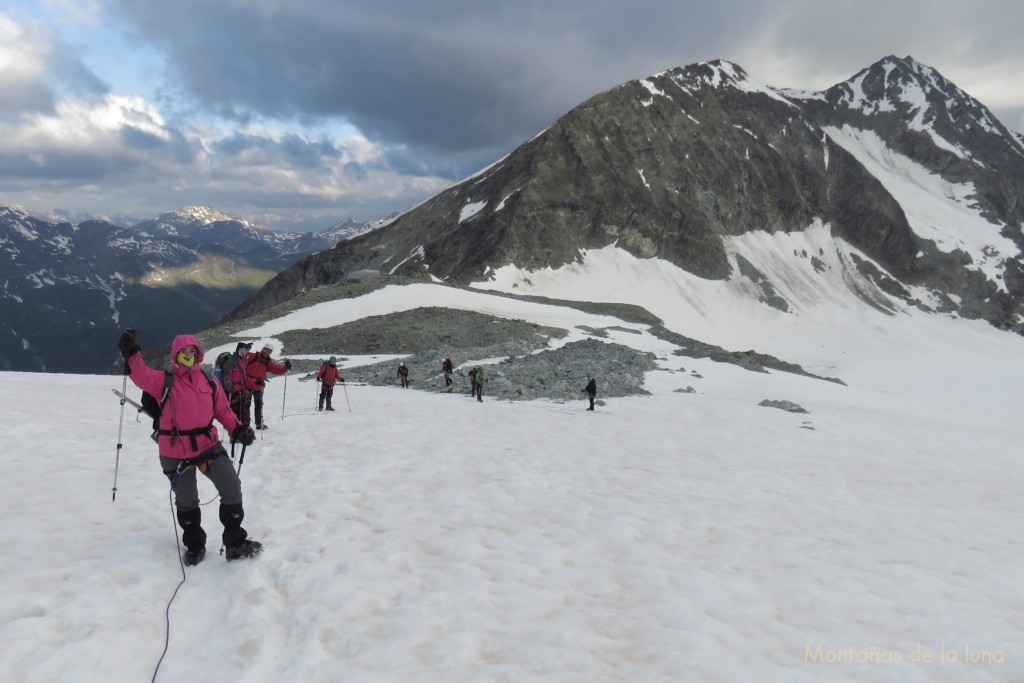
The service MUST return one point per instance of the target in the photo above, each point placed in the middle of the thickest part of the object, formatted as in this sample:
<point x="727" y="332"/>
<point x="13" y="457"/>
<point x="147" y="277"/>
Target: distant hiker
<point x="328" y="375"/>
<point x="591" y="390"/>
<point x="478" y="382"/>
<point x="472" y="382"/>
<point x="257" y="367"/>
<point x="447" y="368"/>
<point x="233" y="380"/>
<point x="188" y="441"/>
<point x="403" y="375"/>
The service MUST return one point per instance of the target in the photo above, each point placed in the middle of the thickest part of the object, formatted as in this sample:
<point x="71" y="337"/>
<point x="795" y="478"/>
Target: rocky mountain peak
<point x="204" y="215"/>
<point x="13" y="211"/>
<point x="717" y="73"/>
<point x="717" y="78"/>
<point x="924" y="101"/>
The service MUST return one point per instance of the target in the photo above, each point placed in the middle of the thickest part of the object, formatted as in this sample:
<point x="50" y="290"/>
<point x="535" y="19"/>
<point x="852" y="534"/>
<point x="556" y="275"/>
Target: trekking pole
<point x="241" y="459"/>
<point x="238" y="414"/>
<point x="120" y="423"/>
<point x="346" y="397"/>
<point x="284" y="397"/>
<point x="316" y="397"/>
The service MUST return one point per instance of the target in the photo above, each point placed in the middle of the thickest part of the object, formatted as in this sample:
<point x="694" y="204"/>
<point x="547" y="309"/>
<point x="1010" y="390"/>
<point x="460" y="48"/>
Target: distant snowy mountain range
<point x="67" y="288"/>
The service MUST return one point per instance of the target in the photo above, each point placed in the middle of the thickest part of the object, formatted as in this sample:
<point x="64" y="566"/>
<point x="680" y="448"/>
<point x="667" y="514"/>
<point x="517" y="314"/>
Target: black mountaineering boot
<point x="194" y="557"/>
<point x="242" y="550"/>
<point x="192" y="534"/>
<point x="236" y="545"/>
<point x="231" y="517"/>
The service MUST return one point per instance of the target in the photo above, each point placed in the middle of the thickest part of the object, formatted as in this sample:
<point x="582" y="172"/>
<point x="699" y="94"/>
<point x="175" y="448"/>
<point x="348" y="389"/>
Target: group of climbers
<point x="191" y="399"/>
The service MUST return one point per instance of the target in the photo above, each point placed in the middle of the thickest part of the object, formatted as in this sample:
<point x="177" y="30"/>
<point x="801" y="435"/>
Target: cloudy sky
<point x="301" y="114"/>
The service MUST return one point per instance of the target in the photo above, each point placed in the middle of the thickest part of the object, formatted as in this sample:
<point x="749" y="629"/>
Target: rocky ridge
<point x="529" y="369"/>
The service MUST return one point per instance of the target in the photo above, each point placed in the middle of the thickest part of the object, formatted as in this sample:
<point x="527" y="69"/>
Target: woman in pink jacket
<point x="188" y="441"/>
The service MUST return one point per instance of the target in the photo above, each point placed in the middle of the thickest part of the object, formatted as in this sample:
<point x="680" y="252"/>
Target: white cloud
<point x="80" y="125"/>
<point x="24" y="54"/>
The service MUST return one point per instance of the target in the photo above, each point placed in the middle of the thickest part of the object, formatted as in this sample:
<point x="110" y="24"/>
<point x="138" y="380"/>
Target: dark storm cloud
<point x="291" y="149"/>
<point x="140" y="156"/>
<point x="356" y="170"/>
<point x="441" y="76"/>
<point x="477" y="79"/>
<point x="405" y="161"/>
<point x="137" y="138"/>
<point x="61" y="166"/>
<point x="169" y="146"/>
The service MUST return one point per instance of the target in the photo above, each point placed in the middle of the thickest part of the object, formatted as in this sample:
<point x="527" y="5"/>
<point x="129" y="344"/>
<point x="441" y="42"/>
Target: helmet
<point x="268" y="347"/>
<point x="332" y="359"/>
<point x="402" y="363"/>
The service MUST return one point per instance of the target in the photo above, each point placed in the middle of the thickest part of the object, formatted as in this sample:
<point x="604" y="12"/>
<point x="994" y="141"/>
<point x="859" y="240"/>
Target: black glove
<point x="244" y="435"/>
<point x="288" y="364"/>
<point x="342" y="379"/>
<point x="128" y="343"/>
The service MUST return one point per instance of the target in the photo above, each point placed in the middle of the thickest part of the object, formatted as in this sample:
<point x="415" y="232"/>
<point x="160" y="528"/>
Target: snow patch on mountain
<point x="856" y="99"/>
<point x="24" y="230"/>
<point x="653" y="89"/>
<point x="113" y="291"/>
<point x="814" y="273"/>
<point x="41" y="278"/>
<point x="11" y="295"/>
<point x="501" y="204"/>
<point x="470" y="210"/>
<point x="418" y="252"/>
<point x="937" y="210"/>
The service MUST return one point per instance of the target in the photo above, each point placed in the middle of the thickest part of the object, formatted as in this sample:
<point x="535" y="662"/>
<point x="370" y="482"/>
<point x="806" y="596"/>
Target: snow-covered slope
<point x="426" y="537"/>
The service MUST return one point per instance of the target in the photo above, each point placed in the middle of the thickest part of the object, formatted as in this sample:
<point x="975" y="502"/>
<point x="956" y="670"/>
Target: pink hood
<point x="183" y="340"/>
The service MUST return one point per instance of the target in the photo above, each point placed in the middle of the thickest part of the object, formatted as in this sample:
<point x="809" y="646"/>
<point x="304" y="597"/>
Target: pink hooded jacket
<point x="193" y="403"/>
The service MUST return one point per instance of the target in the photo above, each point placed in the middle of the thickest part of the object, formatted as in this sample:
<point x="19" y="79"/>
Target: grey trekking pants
<point x="220" y="471"/>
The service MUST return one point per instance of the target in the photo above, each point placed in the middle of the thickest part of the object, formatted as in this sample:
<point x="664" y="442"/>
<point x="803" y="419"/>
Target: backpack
<point x="222" y="368"/>
<point x="154" y="407"/>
